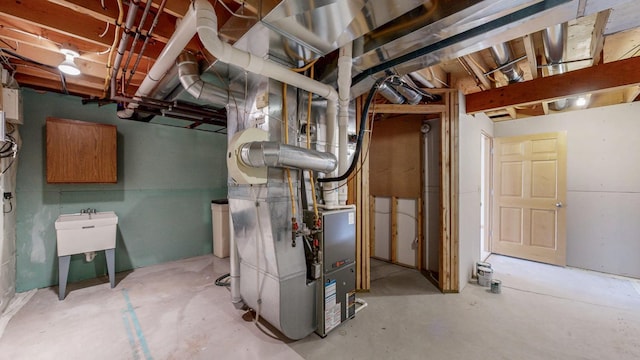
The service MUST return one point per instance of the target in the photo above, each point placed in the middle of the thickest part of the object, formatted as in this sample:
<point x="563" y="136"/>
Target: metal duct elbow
<point x="501" y="54"/>
<point x="274" y="154"/>
<point x="189" y="75"/>
<point x="391" y="94"/>
<point x="555" y="40"/>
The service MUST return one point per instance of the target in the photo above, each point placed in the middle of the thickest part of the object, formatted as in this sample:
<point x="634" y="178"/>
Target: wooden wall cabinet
<point x="81" y="152"/>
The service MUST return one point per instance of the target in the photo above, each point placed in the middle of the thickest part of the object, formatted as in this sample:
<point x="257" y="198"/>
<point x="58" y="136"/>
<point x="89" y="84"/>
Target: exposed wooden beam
<point x="597" y="37"/>
<point x="408" y="109"/>
<point x="92" y="8"/>
<point x="50" y="49"/>
<point x="477" y="71"/>
<point x="598" y="78"/>
<point x="530" y="50"/>
<point x="630" y="94"/>
<point x="38" y="82"/>
<point x="58" y="18"/>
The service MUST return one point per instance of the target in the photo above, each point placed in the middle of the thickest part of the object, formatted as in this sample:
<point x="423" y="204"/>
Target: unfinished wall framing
<point x="448" y="111"/>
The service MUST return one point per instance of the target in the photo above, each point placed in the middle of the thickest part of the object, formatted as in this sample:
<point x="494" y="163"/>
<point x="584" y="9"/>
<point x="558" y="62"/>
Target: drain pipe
<point x="344" y="85"/>
<point x="554" y="39"/>
<point x="234" y="269"/>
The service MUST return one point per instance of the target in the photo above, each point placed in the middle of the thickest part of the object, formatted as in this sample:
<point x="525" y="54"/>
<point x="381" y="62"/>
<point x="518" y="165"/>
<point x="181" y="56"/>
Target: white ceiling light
<point x="581" y="101"/>
<point x="68" y="66"/>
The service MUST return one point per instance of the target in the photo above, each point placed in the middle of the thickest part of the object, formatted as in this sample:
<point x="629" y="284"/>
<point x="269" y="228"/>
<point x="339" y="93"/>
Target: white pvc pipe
<point x="344" y="86"/>
<point x="185" y="31"/>
<point x="207" y="27"/>
<point x="234" y="268"/>
<point x="331" y="189"/>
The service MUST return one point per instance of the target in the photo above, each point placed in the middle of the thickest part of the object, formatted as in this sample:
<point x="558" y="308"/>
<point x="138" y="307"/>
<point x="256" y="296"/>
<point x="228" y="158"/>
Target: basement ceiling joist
<point x="604" y="77"/>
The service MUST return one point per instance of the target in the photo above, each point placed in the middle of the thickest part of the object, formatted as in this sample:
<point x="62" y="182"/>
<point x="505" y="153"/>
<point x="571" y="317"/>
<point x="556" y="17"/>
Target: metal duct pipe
<point x="390" y="93"/>
<point x="409" y="94"/>
<point x="422" y="79"/>
<point x="501" y="53"/>
<point x="189" y="76"/>
<point x="274" y="154"/>
<point x="555" y="40"/>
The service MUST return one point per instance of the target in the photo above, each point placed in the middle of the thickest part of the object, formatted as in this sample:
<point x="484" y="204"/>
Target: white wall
<point x="603" y="183"/>
<point x="469" y="140"/>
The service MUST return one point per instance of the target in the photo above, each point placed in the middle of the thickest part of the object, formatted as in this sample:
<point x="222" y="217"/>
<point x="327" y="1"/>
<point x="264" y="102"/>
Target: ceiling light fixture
<point x="68" y="66"/>
<point x="581" y="101"/>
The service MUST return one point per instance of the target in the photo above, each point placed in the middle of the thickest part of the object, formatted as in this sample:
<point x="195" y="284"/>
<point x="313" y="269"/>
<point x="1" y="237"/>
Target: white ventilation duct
<point x="344" y="85"/>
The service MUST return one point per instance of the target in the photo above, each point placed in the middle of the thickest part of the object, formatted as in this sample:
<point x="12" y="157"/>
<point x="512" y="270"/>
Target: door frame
<point x="448" y="109"/>
<point x="486" y="194"/>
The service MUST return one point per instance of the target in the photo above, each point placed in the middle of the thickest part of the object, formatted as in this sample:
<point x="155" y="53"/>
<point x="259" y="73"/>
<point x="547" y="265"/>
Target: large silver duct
<point x="275" y="154"/>
<point x="501" y="53"/>
<point x="189" y="75"/>
<point x="555" y="42"/>
<point x="390" y="93"/>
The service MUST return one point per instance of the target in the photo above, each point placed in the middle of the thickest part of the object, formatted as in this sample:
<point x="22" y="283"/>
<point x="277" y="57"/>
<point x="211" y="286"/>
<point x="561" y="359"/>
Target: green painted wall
<point x="167" y="177"/>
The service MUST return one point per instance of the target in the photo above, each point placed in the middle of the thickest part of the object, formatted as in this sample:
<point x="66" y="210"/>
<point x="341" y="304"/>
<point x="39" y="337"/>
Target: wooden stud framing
<point x="597" y="38"/>
<point x="605" y="77"/>
<point x="420" y="233"/>
<point x="449" y="269"/>
<point x="394" y="229"/>
<point x="359" y="190"/>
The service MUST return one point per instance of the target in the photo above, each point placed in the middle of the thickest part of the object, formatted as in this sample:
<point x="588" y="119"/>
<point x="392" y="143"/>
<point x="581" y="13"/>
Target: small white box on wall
<point x="12" y="105"/>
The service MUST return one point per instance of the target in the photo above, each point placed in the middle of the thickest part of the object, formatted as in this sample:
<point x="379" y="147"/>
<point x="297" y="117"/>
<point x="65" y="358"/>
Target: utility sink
<point x="85" y="233"/>
<point x="81" y="233"/>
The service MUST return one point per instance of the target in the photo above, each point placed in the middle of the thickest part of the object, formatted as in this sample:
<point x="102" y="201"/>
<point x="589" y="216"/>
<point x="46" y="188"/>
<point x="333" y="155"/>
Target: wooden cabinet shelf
<point x="81" y="152"/>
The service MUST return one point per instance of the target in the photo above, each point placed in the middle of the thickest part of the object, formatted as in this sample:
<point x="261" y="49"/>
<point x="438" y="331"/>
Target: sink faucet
<point x="88" y="211"/>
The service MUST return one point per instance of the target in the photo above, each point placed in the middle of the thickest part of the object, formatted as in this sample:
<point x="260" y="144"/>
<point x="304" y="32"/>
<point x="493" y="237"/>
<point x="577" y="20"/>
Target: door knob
<point x="559" y="204"/>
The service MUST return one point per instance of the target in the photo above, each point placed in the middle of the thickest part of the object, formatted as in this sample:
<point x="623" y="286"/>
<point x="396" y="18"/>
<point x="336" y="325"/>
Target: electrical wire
<point x="363" y="121"/>
<point x="105" y="31"/>
<point x="116" y="36"/>
<point x="10" y="208"/>
<point x="234" y="14"/>
<point x="220" y="280"/>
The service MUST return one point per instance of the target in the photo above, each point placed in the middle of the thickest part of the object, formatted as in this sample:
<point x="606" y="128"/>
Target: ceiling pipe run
<point x="555" y="40"/>
<point x="501" y="54"/>
<point x="124" y="42"/>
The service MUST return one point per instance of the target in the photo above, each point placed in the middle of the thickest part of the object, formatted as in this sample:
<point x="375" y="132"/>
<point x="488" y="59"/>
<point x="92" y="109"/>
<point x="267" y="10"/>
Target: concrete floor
<point x="174" y="311"/>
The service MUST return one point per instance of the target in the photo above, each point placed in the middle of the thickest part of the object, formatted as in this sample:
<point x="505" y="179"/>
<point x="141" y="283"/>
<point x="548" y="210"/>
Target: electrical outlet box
<point x="8" y="196"/>
<point x="12" y="105"/>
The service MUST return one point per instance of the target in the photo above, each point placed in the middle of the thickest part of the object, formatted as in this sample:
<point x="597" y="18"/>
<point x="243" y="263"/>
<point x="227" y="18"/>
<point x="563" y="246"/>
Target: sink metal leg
<point x="63" y="272"/>
<point x="110" y="254"/>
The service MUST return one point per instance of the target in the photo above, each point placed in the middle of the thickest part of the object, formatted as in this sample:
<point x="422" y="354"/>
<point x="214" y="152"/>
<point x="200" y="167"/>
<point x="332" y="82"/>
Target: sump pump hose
<point x="363" y="123"/>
